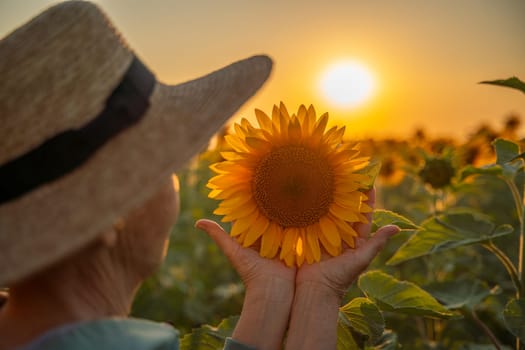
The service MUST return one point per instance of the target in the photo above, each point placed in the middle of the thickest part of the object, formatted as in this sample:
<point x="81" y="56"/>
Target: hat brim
<point x="61" y="217"/>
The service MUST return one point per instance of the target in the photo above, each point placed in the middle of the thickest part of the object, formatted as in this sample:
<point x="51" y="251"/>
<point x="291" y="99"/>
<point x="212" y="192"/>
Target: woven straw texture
<point x="57" y="72"/>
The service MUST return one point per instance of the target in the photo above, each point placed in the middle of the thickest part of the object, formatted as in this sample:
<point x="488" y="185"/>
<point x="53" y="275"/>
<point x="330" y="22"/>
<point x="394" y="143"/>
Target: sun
<point x="347" y="84"/>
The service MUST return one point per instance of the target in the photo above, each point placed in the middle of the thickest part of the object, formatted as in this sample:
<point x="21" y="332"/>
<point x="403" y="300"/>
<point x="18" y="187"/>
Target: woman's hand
<point x="269" y="291"/>
<point x="316" y="290"/>
<point x="320" y="287"/>
<point x="338" y="273"/>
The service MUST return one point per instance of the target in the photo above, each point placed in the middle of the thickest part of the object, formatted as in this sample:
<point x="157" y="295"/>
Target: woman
<point x="89" y="140"/>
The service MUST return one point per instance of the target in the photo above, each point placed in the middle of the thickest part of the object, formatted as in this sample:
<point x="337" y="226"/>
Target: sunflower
<point x="290" y="188"/>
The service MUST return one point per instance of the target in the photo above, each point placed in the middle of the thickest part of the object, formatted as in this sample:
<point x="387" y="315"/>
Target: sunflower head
<point x="291" y="187"/>
<point x="437" y="172"/>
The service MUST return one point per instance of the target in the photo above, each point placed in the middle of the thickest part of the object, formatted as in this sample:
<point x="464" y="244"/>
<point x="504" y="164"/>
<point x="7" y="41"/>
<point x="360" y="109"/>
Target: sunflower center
<point x="293" y="186"/>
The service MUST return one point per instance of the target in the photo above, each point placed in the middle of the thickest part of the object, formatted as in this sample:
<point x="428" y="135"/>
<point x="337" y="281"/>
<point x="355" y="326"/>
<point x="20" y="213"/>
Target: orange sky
<point x="426" y="55"/>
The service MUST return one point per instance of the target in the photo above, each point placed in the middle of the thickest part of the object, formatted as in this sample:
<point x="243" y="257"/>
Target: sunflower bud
<point x="437" y="172"/>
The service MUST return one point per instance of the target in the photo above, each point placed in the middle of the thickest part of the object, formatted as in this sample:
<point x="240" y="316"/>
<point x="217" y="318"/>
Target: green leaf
<point x="506" y="151"/>
<point x="473" y="346"/>
<point x="508" y="156"/>
<point x="388" y="341"/>
<point x="372" y="170"/>
<point x="390" y="294"/>
<point x="385" y="217"/>
<point x="461" y="293"/>
<point x="345" y="338"/>
<point x="446" y="232"/>
<point x="208" y="337"/>
<point x="470" y="170"/>
<point x="514" y="316"/>
<point x="512" y="82"/>
<point x="364" y="317"/>
<point x="470" y="211"/>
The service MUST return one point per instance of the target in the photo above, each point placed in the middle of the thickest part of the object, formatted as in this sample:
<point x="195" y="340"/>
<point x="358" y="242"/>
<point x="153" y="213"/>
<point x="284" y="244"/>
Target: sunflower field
<point x="453" y="278"/>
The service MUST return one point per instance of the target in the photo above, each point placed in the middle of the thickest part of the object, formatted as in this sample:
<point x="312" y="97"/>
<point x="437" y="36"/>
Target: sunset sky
<point x="426" y="56"/>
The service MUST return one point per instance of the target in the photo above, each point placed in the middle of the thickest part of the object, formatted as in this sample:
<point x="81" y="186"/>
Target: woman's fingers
<point x="228" y="245"/>
<point x="370" y="248"/>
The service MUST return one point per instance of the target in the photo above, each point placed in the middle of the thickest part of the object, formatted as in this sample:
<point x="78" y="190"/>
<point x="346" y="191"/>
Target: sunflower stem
<point x="507" y="263"/>
<point x="521" y="253"/>
<point x="485" y="329"/>
<point x="517" y="198"/>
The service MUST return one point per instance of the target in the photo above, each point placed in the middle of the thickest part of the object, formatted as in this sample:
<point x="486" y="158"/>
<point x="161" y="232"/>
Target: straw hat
<point x="87" y="133"/>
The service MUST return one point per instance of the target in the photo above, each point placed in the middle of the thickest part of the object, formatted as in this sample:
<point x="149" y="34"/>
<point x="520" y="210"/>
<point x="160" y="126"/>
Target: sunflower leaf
<point x="371" y="170"/>
<point x="508" y="156"/>
<point x="364" y="317"/>
<point x="514" y="316"/>
<point x="446" y="232"/>
<point x="208" y="337"/>
<point x="394" y="295"/>
<point x="388" y="341"/>
<point x="461" y="293"/>
<point x="512" y="82"/>
<point x="471" y="170"/>
<point x="345" y="338"/>
<point x="506" y="151"/>
<point x="473" y="346"/>
<point x="384" y="217"/>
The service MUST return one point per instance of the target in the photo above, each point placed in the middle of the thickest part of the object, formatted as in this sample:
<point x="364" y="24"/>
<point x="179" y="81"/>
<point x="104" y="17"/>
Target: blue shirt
<point x="115" y="333"/>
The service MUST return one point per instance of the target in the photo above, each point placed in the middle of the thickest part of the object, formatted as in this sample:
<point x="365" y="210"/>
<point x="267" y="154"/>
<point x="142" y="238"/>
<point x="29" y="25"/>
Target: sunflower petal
<point x="312" y="238"/>
<point x="289" y="259"/>
<point x="241" y="212"/>
<point x="283" y="110"/>
<point x="225" y="180"/>
<point x="294" y="130"/>
<point x="256" y="230"/>
<point x="276" y="116"/>
<point x="329" y="231"/>
<point x="346" y="231"/>
<point x="320" y="125"/>
<point x="336" y="137"/>
<point x="300" y="259"/>
<point x="236" y="202"/>
<point x="343" y="188"/>
<point x="237" y="143"/>
<point x="362" y="219"/>
<point x="283" y="125"/>
<point x="301" y="114"/>
<point x="242" y="224"/>
<point x="299" y="247"/>
<point x="311" y="118"/>
<point x="333" y="251"/>
<point x="349" y="201"/>
<point x="230" y="167"/>
<point x="271" y="241"/>
<point x="289" y="241"/>
<point x="365" y="208"/>
<point x="232" y="155"/>
<point x="258" y="145"/>
<point x="240" y="131"/>
<point x="344" y="214"/>
<point x="343" y="155"/>
<point x="308" y="255"/>
<point x="231" y="191"/>
<point x="245" y="123"/>
<point x="264" y="121"/>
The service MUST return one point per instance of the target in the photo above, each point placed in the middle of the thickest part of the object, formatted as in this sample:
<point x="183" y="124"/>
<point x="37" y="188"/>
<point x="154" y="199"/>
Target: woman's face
<point x="146" y="230"/>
